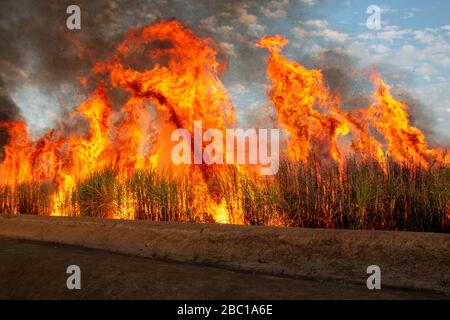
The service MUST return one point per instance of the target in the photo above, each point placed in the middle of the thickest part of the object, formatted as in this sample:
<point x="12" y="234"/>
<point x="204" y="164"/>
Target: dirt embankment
<point x="407" y="260"/>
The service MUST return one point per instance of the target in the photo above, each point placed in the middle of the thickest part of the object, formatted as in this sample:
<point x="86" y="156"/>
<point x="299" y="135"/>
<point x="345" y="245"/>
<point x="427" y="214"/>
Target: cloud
<point x="275" y="9"/>
<point x="380" y="49"/>
<point x="388" y="33"/>
<point x="319" y="28"/>
<point x="424" y="36"/>
<point x="332" y="35"/>
<point x="442" y="59"/>
<point x="245" y="17"/>
<point x="447" y="29"/>
<point x="300" y="33"/>
<point x="403" y="13"/>
<point x="235" y="26"/>
<point x="426" y="71"/>
<point x="317" y="23"/>
<point x="238" y="89"/>
<point x="409" y="13"/>
<point x="228" y="48"/>
<point x="309" y="2"/>
<point x="226" y="31"/>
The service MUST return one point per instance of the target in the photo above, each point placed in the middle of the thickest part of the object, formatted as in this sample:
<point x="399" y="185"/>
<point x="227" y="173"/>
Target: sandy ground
<point x="215" y="261"/>
<point x="36" y="270"/>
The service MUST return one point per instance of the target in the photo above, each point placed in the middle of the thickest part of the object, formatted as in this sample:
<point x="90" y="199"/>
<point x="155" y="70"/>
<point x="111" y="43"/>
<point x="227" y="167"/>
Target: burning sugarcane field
<point x="264" y="145"/>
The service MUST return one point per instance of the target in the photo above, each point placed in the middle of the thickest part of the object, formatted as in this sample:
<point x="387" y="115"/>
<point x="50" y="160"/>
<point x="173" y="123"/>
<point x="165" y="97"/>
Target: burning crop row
<point x="337" y="172"/>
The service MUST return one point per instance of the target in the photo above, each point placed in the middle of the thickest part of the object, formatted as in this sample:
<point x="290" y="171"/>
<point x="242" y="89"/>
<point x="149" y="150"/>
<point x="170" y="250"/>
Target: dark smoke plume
<point x="8" y="112"/>
<point x="38" y="49"/>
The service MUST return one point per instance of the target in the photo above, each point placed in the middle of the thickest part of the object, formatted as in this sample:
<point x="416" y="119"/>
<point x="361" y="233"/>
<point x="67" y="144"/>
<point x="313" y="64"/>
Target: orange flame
<point x="313" y="119"/>
<point x="183" y="85"/>
<point x="185" y="89"/>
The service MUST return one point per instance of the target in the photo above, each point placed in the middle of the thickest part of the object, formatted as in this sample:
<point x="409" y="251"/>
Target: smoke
<point x="38" y="49"/>
<point x="238" y="25"/>
<point x="37" y="40"/>
<point x="40" y="43"/>
<point x="352" y="84"/>
<point x="8" y="112"/>
<point x="419" y="118"/>
<point x="344" y="78"/>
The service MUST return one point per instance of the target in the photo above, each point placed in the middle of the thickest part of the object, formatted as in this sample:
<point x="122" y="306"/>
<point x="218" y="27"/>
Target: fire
<point x="221" y="212"/>
<point x="305" y="108"/>
<point x="314" y="121"/>
<point x="390" y="117"/>
<point x="181" y="85"/>
<point x="185" y="89"/>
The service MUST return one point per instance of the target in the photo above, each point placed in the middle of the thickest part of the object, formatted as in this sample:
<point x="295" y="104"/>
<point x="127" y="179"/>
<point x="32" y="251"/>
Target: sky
<point x="414" y="39"/>
<point x="411" y="50"/>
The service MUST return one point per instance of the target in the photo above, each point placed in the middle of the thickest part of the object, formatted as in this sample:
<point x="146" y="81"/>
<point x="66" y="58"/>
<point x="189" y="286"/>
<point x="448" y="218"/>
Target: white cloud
<point x="426" y="71"/>
<point x="424" y="36"/>
<point x="321" y="30"/>
<point x="388" y="33"/>
<point x="380" y="49"/>
<point x="309" y="2"/>
<point x="446" y="28"/>
<point x="392" y="33"/>
<point x="332" y="35"/>
<point x="318" y="23"/>
<point x="300" y="33"/>
<point x="442" y="59"/>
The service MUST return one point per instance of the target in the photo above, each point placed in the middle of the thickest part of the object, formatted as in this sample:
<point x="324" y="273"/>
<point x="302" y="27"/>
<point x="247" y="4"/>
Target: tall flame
<point x="313" y="119"/>
<point x="185" y="89"/>
<point x="182" y="85"/>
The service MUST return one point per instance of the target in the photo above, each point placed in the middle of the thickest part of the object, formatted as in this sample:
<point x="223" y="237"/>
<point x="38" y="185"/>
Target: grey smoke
<point x="355" y="88"/>
<point x="8" y="112"/>
<point x="37" y="41"/>
<point x="38" y="49"/>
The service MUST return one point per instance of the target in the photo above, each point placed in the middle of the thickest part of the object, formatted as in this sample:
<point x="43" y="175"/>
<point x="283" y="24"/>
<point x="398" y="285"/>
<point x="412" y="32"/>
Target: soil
<point x="37" y="270"/>
<point x="157" y="260"/>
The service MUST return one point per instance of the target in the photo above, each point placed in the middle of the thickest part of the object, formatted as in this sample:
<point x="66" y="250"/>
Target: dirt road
<point x="120" y="257"/>
<point x="38" y="270"/>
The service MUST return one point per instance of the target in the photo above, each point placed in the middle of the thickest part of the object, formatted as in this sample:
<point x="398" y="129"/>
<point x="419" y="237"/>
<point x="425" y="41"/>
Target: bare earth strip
<point x="311" y="263"/>
<point x="36" y="270"/>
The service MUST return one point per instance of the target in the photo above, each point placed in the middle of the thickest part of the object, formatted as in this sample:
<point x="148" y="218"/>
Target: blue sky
<point x="411" y="50"/>
<point x="415" y="38"/>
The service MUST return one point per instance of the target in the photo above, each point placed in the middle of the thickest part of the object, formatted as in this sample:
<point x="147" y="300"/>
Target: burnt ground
<point x="37" y="270"/>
